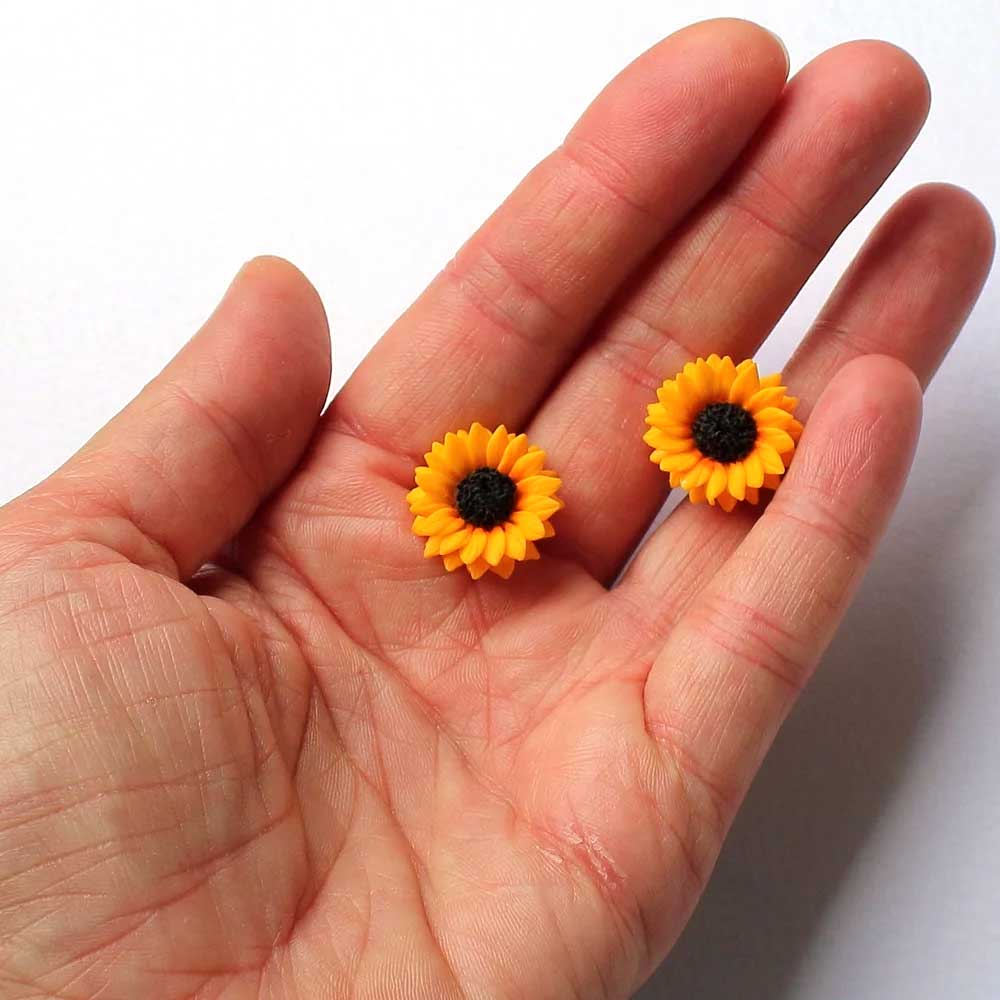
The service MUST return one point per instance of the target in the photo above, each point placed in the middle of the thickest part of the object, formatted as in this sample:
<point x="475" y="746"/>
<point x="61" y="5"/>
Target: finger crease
<point x="830" y="525"/>
<point x="598" y="164"/>
<point x="503" y="298"/>
<point x="744" y="207"/>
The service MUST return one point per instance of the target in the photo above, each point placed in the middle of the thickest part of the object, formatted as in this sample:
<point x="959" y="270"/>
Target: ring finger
<point x="906" y="295"/>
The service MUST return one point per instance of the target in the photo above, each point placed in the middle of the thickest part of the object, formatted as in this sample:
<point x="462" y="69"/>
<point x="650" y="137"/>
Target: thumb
<point x="187" y="462"/>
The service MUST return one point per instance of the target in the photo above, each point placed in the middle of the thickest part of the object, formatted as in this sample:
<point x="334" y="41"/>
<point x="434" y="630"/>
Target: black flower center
<point x="485" y="497"/>
<point x="724" y="432"/>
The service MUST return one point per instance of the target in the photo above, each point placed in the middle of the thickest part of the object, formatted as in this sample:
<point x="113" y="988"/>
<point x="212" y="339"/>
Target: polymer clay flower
<point x="722" y="431"/>
<point x="483" y="499"/>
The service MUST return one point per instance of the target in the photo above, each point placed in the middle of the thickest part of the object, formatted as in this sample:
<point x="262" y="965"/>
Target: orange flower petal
<point x="745" y="384"/>
<point x="676" y="446"/>
<point x="455" y="541"/>
<point x="496" y="546"/>
<point x="668" y="432"/>
<point x="773" y="416"/>
<point x="725" y="375"/>
<point x="528" y="465"/>
<point x="441" y="521"/>
<point x="716" y="482"/>
<point x="504" y="568"/>
<point x="777" y="439"/>
<point x="530" y="524"/>
<point x="708" y="376"/>
<point x="764" y="398"/>
<point x="474" y="547"/>
<point x="689" y="386"/>
<point x="515" y="541"/>
<point x="479" y="438"/>
<point x="718" y="379"/>
<point x="430" y="507"/>
<point x="478" y="568"/>
<point x="437" y="460"/>
<point x="544" y="507"/>
<point x="656" y="438"/>
<point x="543" y="486"/>
<point x="516" y="447"/>
<point x="769" y="458"/>
<point x="699" y="475"/>
<point x="456" y="454"/>
<point x="497" y="444"/>
<point x="737" y="485"/>
<point x="669" y="396"/>
<point x="433" y="482"/>
<point x="452" y="560"/>
<point x="460" y="543"/>
<point x="680" y="463"/>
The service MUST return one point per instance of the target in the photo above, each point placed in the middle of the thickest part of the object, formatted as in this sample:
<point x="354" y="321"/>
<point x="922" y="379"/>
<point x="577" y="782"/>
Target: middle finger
<point x="720" y="285"/>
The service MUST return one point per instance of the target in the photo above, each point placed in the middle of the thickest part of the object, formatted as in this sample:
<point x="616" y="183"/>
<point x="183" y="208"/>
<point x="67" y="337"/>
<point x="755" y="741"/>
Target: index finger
<point x="507" y="314"/>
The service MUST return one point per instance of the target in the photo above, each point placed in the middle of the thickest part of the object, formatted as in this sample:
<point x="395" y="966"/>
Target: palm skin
<point x="254" y="745"/>
<point x="321" y="791"/>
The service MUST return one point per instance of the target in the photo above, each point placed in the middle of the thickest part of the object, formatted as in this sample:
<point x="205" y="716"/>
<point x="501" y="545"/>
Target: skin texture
<point x="252" y="745"/>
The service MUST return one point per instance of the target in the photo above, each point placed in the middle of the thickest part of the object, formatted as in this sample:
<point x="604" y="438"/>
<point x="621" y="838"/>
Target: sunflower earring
<point x="722" y="432"/>
<point x="483" y="499"/>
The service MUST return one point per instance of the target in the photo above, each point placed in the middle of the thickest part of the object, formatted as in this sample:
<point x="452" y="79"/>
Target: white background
<point x="147" y="149"/>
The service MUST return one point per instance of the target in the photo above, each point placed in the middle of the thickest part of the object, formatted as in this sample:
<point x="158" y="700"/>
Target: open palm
<point x="252" y="744"/>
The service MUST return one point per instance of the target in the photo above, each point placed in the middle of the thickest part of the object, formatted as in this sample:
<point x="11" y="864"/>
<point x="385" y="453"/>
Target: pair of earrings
<point x="722" y="432"/>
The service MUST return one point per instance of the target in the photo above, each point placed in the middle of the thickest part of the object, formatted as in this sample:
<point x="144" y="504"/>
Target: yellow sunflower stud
<point x="722" y="432"/>
<point x="483" y="499"/>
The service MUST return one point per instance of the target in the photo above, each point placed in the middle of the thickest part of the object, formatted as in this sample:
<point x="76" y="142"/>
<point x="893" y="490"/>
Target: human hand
<point x="319" y="765"/>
